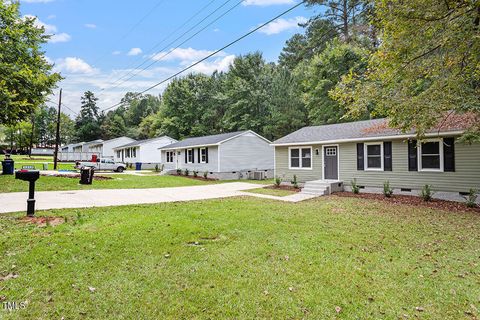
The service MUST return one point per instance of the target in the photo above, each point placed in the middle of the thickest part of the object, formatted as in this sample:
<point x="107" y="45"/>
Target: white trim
<point x="218" y="159"/>
<point x="300" y="162"/>
<point x="241" y="134"/>
<point x="200" y="160"/>
<point x="274" y="162"/>
<point x="323" y="160"/>
<point x="440" y="151"/>
<point x="365" y="156"/>
<point x="189" y="147"/>
<point x="405" y="136"/>
<point x="173" y="156"/>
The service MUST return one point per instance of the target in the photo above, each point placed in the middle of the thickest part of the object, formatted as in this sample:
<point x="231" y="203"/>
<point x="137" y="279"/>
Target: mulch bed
<point x="43" y="221"/>
<point x="412" y="200"/>
<point x="76" y="176"/>
<point x="283" y="187"/>
<point x="196" y="178"/>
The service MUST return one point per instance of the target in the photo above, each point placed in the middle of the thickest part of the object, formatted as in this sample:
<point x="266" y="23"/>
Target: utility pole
<point x="57" y="138"/>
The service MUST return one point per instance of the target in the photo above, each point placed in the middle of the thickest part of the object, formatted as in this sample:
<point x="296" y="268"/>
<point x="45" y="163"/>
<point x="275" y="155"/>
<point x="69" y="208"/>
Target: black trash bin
<point x="86" y="175"/>
<point x="8" y="165"/>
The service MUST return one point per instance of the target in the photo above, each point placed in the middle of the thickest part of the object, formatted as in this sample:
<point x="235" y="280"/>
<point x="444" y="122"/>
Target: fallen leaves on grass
<point x="43" y="221"/>
<point x="9" y="276"/>
<point x="413" y="201"/>
<point x="338" y="309"/>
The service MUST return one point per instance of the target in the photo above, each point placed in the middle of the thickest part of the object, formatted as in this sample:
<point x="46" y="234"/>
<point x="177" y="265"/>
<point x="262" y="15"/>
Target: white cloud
<point x="50" y="29"/>
<point x="281" y="25"/>
<point x="116" y="52"/>
<point x="185" y="55"/>
<point x="264" y="3"/>
<point x="220" y="64"/>
<point x="52" y="16"/>
<point x="74" y="65"/>
<point x="134" y="52"/>
<point x="90" y="25"/>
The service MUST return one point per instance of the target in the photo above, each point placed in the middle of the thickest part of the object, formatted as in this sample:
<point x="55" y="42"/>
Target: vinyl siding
<point x="286" y="174"/>
<point x="211" y="166"/>
<point x="466" y="175"/>
<point x="246" y="152"/>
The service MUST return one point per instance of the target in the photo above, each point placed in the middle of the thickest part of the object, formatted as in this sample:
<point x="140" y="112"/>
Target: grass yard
<point x="125" y="181"/>
<point x="244" y="258"/>
<point x="272" y="192"/>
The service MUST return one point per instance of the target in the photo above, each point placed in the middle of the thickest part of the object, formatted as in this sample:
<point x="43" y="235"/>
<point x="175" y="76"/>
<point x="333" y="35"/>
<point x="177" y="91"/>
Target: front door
<point x="330" y="156"/>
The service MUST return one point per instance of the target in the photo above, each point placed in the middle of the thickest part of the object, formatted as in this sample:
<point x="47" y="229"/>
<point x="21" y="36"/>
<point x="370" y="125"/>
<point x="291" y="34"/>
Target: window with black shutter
<point x="449" y="154"/>
<point x="206" y="155"/>
<point x="387" y="156"/>
<point x="412" y="155"/>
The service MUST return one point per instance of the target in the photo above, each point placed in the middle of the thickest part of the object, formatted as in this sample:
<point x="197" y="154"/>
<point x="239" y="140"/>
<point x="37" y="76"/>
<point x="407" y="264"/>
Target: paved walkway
<point x="17" y="201"/>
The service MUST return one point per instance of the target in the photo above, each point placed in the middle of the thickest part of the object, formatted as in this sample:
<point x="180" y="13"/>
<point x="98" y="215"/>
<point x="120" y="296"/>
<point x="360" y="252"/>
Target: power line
<point x="212" y="54"/>
<point x="136" y="71"/>
<point x="164" y="39"/>
<point x="133" y="28"/>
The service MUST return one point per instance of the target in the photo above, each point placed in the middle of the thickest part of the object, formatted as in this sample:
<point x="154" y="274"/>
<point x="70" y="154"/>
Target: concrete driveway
<point x="17" y="201"/>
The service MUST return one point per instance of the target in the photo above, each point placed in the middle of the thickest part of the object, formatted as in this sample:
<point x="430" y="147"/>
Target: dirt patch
<point x="283" y="187"/>
<point x="76" y="176"/>
<point x="43" y="221"/>
<point x="412" y="200"/>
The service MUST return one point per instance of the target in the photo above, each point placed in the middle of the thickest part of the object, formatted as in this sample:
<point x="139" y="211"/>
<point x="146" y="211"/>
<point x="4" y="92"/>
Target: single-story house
<point x="105" y="148"/>
<point x="143" y="151"/>
<point x="372" y="152"/>
<point x="86" y="145"/>
<point x="233" y="155"/>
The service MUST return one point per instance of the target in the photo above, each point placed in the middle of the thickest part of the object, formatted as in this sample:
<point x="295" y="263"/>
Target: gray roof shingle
<point x="138" y="142"/>
<point x="203" y="141"/>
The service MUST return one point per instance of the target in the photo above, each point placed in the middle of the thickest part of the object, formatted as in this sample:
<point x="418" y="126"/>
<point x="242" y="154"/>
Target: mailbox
<point x="31" y="176"/>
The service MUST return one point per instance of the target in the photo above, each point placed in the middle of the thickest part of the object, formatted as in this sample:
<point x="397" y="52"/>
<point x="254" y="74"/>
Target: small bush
<point x="387" y="191"/>
<point x="355" y="187"/>
<point x="278" y="181"/>
<point x="156" y="168"/>
<point x="186" y="172"/>
<point x="471" y="198"/>
<point x="205" y="174"/>
<point x="179" y="172"/>
<point x="426" y="193"/>
<point x="195" y="173"/>
<point x="294" y="181"/>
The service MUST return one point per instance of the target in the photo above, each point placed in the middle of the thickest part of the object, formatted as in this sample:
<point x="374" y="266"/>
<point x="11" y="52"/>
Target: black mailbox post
<point x="31" y="176"/>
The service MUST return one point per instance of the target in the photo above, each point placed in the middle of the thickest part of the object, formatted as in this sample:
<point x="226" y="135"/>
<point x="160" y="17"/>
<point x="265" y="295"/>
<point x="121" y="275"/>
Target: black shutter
<point x="198" y="153"/>
<point x="360" y="156"/>
<point x="412" y="155"/>
<point x="206" y="155"/>
<point x="449" y="154"/>
<point x="387" y="156"/>
<point x="186" y="151"/>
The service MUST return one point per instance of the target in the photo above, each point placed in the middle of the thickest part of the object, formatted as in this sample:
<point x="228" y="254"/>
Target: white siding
<point x="149" y="151"/>
<point x="211" y="166"/>
<point x="246" y="152"/>
<point x="108" y="146"/>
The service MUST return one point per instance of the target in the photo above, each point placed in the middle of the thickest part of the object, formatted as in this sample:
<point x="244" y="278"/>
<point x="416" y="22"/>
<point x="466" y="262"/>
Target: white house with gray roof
<point x="234" y="155"/>
<point x="372" y="152"/>
<point x="143" y="151"/>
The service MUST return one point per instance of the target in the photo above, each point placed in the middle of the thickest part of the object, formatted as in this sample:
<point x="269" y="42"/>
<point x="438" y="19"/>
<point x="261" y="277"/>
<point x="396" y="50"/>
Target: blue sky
<point x="96" y="43"/>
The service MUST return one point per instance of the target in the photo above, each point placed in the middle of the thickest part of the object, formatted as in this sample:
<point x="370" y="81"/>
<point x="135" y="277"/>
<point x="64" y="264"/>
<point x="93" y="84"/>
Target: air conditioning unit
<point x="257" y="175"/>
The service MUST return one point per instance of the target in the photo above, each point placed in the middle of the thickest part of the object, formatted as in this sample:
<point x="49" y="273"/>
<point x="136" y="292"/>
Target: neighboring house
<point x="372" y="152"/>
<point x="76" y="152"/>
<point x="77" y="147"/>
<point x="143" y="151"/>
<point x="105" y="148"/>
<point x="86" y="145"/>
<point x="234" y="155"/>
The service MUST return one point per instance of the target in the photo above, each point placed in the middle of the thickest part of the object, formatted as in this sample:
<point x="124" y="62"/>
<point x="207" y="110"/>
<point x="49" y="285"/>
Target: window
<point x="373" y="156"/>
<point x="134" y="152"/>
<point x="331" y="151"/>
<point x="189" y="155"/>
<point x="118" y="154"/>
<point x="127" y="153"/>
<point x="170" y="156"/>
<point x="301" y="158"/>
<point x="431" y="155"/>
<point x="203" y="155"/>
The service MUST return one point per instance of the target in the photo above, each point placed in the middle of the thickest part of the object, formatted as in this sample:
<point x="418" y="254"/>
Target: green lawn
<point x="272" y="192"/>
<point x="125" y="181"/>
<point x="245" y="258"/>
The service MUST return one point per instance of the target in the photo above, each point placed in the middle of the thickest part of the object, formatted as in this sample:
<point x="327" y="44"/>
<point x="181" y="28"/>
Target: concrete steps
<point x="320" y="187"/>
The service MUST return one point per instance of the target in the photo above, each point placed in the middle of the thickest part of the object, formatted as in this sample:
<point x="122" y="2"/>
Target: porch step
<point x="320" y="187"/>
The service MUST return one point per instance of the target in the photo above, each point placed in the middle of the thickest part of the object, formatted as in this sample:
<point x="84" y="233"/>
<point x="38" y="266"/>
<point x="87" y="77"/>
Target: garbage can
<point x="8" y="165"/>
<point x="138" y="166"/>
<point x="86" y="175"/>
<point x="45" y="166"/>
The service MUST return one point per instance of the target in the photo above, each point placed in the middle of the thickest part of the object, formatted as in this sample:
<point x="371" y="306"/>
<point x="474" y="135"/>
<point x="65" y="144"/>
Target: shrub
<point x="186" y="172"/>
<point x="355" y="187"/>
<point x="195" y="173"/>
<point x="156" y="168"/>
<point x="387" y="191"/>
<point x="179" y="172"/>
<point x="294" y="181"/>
<point x="205" y="174"/>
<point x="426" y="193"/>
<point x="278" y="181"/>
<point x="471" y="198"/>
